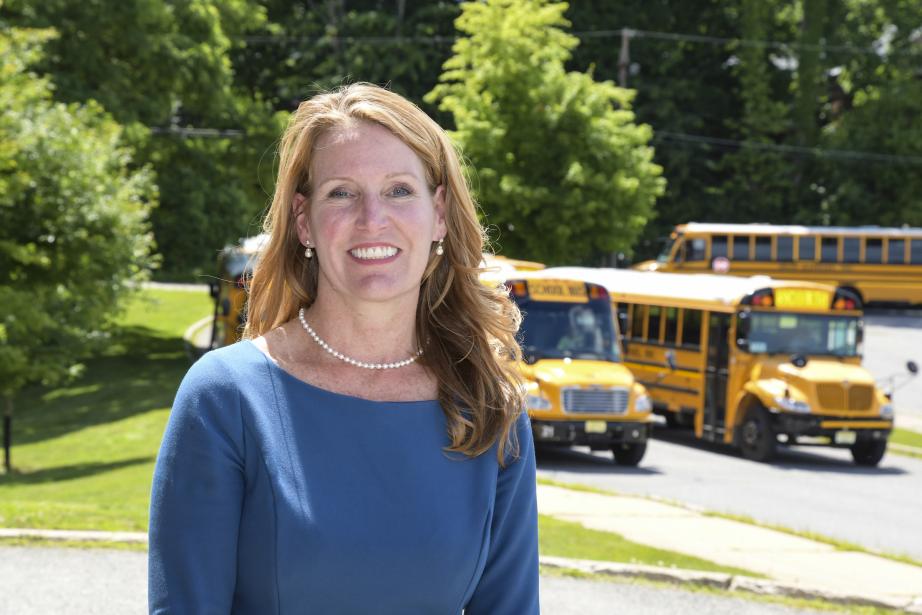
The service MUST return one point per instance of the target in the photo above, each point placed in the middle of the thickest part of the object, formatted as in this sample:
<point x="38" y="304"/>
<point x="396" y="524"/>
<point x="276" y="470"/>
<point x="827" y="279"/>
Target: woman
<point x="363" y="450"/>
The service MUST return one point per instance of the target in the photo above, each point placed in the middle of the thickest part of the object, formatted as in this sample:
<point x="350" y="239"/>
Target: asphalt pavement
<point x="44" y="581"/>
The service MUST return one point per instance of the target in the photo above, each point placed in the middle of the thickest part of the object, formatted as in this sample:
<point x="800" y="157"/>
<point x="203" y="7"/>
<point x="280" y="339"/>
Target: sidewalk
<point x="802" y="566"/>
<point x="909" y="421"/>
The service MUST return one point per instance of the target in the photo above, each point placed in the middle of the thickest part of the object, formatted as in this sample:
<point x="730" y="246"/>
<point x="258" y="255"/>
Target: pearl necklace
<point x="350" y="360"/>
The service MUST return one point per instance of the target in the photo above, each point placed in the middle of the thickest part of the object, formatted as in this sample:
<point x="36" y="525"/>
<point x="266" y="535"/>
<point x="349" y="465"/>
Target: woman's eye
<point x="339" y="193"/>
<point x="401" y="191"/>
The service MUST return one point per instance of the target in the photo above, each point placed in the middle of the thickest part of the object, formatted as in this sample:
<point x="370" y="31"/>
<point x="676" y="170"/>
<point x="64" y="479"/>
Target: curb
<point x="78" y="535"/>
<point x="729" y="582"/>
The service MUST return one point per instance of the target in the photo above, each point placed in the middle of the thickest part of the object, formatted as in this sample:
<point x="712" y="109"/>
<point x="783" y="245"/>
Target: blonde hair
<point x="470" y="327"/>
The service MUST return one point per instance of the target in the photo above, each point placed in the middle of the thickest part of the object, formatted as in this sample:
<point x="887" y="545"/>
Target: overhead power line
<point x="588" y="34"/>
<point x="742" y="42"/>
<point x="191" y="132"/>
<point x="793" y="150"/>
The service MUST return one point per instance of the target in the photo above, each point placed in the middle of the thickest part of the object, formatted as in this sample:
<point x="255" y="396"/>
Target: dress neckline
<point x="313" y="387"/>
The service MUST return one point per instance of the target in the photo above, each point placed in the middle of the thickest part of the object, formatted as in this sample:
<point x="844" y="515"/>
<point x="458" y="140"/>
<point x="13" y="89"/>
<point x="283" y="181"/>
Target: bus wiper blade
<point x="532" y="354"/>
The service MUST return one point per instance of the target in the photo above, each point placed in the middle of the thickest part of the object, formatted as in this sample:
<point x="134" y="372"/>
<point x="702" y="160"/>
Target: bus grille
<point x="835" y="397"/>
<point x="597" y="401"/>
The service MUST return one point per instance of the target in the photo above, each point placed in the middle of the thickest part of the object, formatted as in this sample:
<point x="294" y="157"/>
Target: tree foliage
<point x="73" y="222"/>
<point x="164" y="68"/>
<point x="560" y="167"/>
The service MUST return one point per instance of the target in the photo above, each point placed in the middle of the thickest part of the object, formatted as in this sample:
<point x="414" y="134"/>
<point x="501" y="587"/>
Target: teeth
<point x="373" y="253"/>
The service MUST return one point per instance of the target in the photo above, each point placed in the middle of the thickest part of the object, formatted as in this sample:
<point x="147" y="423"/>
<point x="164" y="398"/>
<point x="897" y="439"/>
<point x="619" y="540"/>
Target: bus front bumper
<point x="598" y="434"/>
<point x="840" y="431"/>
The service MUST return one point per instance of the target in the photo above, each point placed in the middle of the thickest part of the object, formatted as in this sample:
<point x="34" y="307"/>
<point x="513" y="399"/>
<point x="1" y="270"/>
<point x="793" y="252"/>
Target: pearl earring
<point x="308" y="253"/>
<point x="439" y="249"/>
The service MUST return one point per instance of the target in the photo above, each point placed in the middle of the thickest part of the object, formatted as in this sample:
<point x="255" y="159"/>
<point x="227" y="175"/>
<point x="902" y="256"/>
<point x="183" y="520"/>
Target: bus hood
<point x="816" y="371"/>
<point x="582" y="372"/>
<point x="827" y="386"/>
<point x="646" y="266"/>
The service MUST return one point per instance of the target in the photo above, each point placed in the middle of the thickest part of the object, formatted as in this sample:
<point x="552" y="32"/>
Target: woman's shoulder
<point x="225" y="369"/>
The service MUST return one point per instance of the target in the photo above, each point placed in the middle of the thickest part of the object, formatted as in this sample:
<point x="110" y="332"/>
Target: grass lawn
<point x="907" y="438"/>
<point x="569" y="539"/>
<point x="83" y="453"/>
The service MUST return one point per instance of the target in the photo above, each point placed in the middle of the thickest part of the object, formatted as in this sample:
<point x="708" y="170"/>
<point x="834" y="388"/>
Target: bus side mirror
<point x="912" y="367"/>
<point x="743" y="325"/>
<point x="214" y="288"/>
<point x="670" y="359"/>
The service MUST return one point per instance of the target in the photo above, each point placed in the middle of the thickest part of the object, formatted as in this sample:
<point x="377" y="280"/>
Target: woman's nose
<point x="372" y="212"/>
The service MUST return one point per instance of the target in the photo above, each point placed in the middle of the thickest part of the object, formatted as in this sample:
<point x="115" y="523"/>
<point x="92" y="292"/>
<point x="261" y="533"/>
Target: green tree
<point x="562" y="169"/>
<point x="163" y="69"/>
<point x="303" y="47"/>
<point x="73" y="230"/>
<point x="686" y="89"/>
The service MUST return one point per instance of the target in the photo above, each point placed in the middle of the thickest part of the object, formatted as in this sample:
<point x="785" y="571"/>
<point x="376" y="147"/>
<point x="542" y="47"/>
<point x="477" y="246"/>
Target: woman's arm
<point x="197" y="496"/>
<point x="509" y="584"/>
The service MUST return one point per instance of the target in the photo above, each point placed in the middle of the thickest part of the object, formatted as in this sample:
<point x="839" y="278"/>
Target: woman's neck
<point x="373" y="332"/>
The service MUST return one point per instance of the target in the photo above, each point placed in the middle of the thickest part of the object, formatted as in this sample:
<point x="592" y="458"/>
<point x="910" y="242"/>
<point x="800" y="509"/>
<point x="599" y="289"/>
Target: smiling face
<point x="371" y="216"/>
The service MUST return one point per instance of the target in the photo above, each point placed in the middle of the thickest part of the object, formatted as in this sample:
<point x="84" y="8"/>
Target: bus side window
<point x="637" y="317"/>
<point x="806" y="248"/>
<point x="873" y="250"/>
<point x="672" y="324"/>
<point x="741" y="248"/>
<point x="654" y="318"/>
<point x="623" y="311"/>
<point x="719" y="246"/>
<point x="851" y="249"/>
<point x="784" y="245"/>
<point x="896" y="252"/>
<point x="829" y="250"/>
<point x="915" y="256"/>
<point x="763" y="249"/>
<point x="691" y="328"/>
<point x="695" y="249"/>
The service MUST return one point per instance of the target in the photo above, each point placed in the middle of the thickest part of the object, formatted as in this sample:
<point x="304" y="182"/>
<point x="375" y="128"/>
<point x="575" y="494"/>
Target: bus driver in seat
<point x="584" y="335"/>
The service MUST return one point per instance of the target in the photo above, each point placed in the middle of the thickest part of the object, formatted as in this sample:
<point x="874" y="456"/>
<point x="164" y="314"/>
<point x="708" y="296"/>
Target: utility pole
<point x="624" y="58"/>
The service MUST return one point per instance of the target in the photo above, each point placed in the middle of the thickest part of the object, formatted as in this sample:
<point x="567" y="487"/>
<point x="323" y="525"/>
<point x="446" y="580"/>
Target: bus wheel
<point x="629" y="454"/>
<point x="756" y="437"/>
<point x="869" y="452"/>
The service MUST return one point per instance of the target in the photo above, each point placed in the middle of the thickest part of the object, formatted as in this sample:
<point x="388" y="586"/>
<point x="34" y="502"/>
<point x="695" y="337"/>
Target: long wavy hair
<point x="469" y="327"/>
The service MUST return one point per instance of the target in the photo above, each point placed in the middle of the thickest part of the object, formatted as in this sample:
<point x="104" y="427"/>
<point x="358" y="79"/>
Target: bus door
<point x="716" y="371"/>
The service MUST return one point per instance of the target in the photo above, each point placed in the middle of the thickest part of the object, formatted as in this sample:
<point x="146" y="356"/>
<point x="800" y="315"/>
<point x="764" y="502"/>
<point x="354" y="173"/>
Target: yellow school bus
<point x="752" y="362"/>
<point x="578" y="390"/>
<point x="235" y="268"/>
<point x="879" y="264"/>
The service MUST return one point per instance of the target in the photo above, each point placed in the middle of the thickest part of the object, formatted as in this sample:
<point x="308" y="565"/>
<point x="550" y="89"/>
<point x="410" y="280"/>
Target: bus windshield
<point x="808" y="334"/>
<point x="556" y="330"/>
<point x="667" y="248"/>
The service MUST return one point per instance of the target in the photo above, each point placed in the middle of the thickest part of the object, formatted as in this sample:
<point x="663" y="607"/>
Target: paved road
<point x="809" y="488"/>
<point x="890" y="341"/>
<point x="43" y="581"/>
<point x="567" y="596"/>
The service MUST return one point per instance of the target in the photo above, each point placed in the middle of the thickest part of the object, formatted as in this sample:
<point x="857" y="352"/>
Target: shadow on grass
<point x="77" y="470"/>
<point x="139" y="372"/>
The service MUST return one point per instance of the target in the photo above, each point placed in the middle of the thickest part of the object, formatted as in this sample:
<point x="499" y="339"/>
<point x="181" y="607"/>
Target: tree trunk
<point x="8" y="433"/>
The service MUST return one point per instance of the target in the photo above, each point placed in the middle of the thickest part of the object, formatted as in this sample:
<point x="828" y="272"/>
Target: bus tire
<point x="868" y="453"/>
<point x="629" y="454"/>
<point x="856" y="292"/>
<point x="757" y="439"/>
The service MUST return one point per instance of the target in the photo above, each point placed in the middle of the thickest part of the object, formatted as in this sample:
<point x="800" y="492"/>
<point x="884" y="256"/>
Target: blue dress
<point x="271" y="495"/>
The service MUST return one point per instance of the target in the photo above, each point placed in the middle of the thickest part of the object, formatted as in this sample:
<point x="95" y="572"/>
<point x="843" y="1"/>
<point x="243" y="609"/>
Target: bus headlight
<point x="886" y="411"/>
<point x="792" y="405"/>
<point x="642" y="403"/>
<point x="537" y="402"/>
